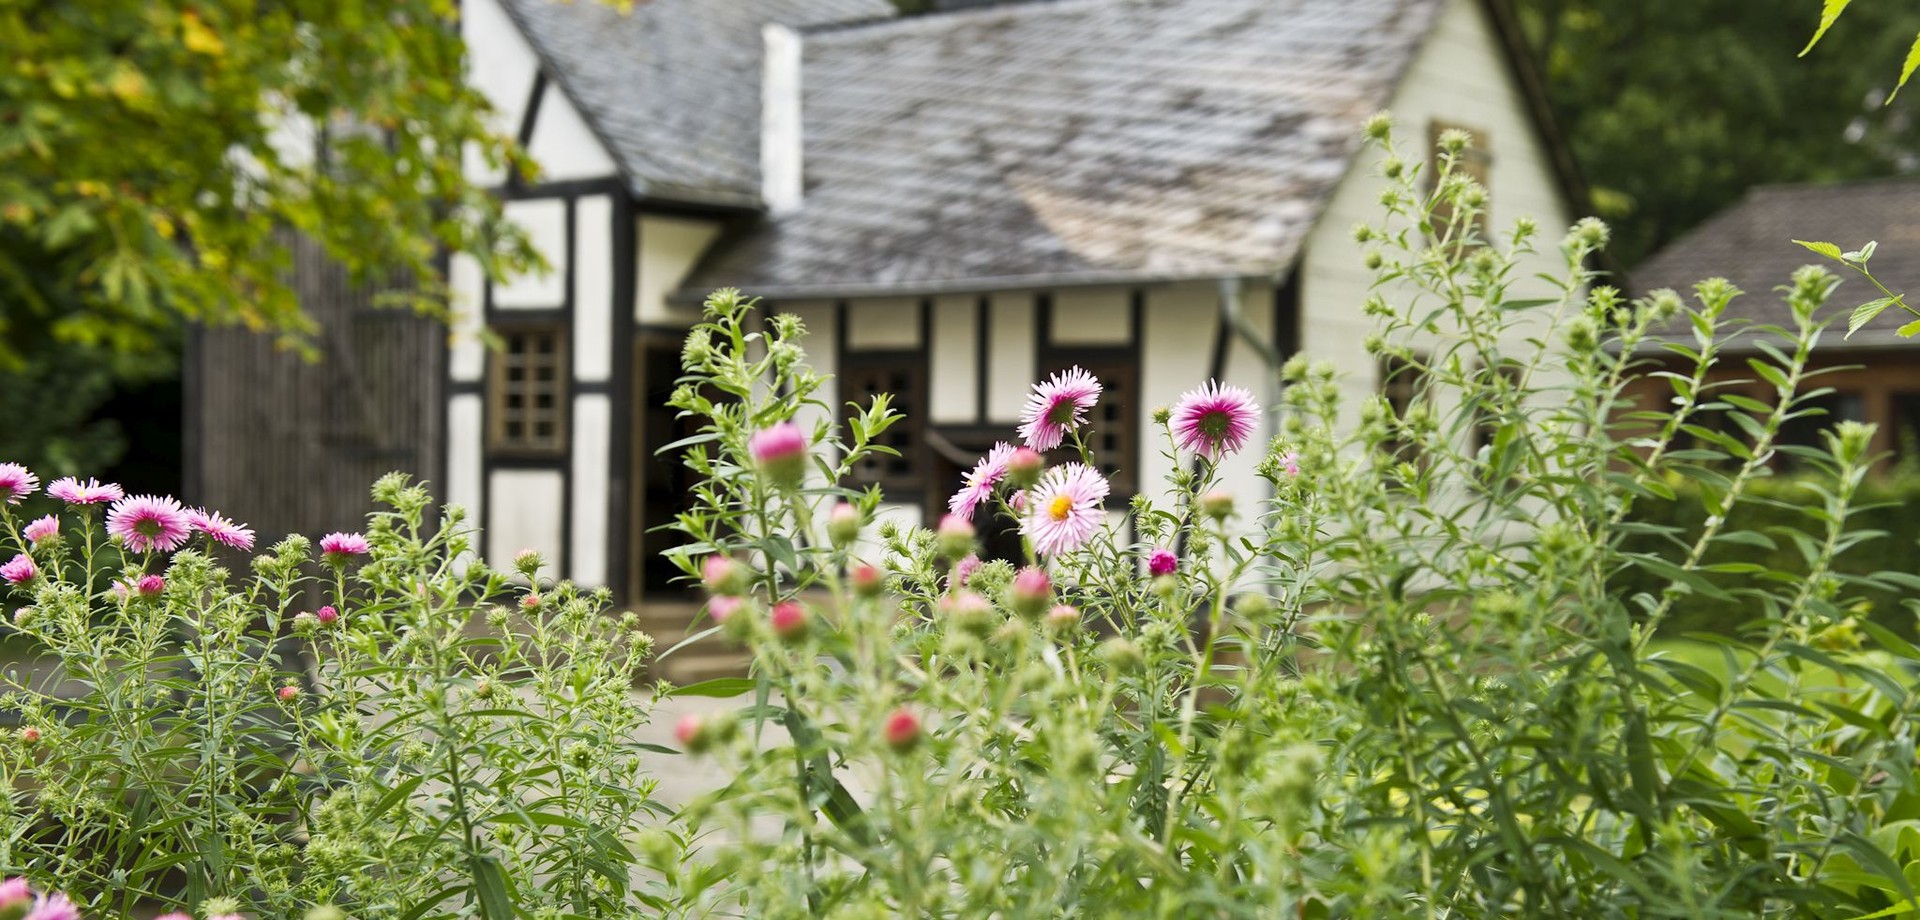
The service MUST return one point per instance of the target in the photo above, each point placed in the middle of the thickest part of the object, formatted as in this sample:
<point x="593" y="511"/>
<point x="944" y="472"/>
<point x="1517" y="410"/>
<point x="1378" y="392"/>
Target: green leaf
<point x="1829" y="12"/>
<point x="490" y="887"/>
<point x="1864" y="313"/>
<point x="718" y="688"/>
<point x="1826" y="249"/>
<point x="1909" y="330"/>
<point x="1907" y="69"/>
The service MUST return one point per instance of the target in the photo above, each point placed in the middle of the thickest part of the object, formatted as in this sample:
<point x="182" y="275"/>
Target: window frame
<point x="498" y="391"/>
<point x="911" y="484"/>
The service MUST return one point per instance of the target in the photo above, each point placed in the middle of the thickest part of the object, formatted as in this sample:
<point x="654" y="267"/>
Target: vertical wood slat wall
<point x="291" y="446"/>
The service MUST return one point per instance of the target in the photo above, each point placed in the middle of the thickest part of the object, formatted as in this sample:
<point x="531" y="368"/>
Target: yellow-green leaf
<point x="1828" y="13"/>
<point x="1909" y="330"/>
<point x="1907" y="69"/>
<point x="1826" y="249"/>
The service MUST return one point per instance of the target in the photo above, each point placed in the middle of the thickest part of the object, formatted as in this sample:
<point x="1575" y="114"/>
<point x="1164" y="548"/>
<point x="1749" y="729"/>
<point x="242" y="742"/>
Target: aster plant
<point x="1388" y="676"/>
<point x="377" y="725"/>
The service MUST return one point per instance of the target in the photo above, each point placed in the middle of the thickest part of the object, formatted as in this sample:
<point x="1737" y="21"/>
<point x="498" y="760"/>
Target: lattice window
<point x="527" y="390"/>
<point x="904" y="375"/>
<point x="1475" y="162"/>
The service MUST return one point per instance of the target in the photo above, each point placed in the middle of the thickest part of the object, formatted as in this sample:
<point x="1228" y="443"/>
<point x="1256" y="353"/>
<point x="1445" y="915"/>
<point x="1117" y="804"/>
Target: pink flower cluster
<point x="16" y="893"/>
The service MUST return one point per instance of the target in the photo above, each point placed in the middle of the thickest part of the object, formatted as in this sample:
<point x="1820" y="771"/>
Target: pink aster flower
<point x="1162" y="561"/>
<point x="14" y="891"/>
<point x="150" y="585"/>
<point x="221" y="530"/>
<point x="146" y="523"/>
<point x="338" y="547"/>
<point x="176" y="915"/>
<point x="16" y="482"/>
<point x="1290" y="462"/>
<point x="92" y="492"/>
<point x="41" y="528"/>
<point x="1214" y="419"/>
<point x="19" y="570"/>
<point x="977" y="486"/>
<point x="1058" y="406"/>
<point x="780" y="450"/>
<point x="1066" y="508"/>
<point x="962" y="571"/>
<point x="53" y="906"/>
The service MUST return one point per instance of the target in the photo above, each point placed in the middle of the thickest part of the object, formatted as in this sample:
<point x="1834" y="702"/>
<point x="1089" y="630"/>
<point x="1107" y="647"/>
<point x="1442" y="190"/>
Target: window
<point x="903" y="374"/>
<point x="1113" y="426"/>
<point x="1475" y="161"/>
<point x="526" y="395"/>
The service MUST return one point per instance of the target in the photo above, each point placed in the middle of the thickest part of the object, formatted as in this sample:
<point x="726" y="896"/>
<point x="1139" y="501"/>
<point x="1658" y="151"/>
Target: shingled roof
<point x="1074" y="141"/>
<point x="673" y="86"/>
<point x="1751" y="244"/>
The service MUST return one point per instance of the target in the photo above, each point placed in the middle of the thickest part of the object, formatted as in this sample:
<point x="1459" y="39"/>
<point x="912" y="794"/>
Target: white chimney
<point x="780" y="120"/>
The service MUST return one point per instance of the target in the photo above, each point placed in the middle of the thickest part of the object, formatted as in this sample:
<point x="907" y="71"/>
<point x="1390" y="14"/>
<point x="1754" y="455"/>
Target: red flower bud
<point x="789" y="620"/>
<point x="902" y="730"/>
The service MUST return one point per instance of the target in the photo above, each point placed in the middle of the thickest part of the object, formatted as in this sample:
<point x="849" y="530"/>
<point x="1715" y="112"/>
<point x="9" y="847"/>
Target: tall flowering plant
<point x="1387" y="676"/>
<point x="387" y="727"/>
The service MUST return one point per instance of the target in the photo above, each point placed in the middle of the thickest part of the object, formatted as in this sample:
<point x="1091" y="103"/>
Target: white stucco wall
<point x="883" y="324"/>
<point x="501" y="66"/>
<point x="524" y="513"/>
<point x="591" y="462"/>
<point x="564" y="146"/>
<point x="1097" y="317"/>
<point x="1010" y="369"/>
<point x="954" y="360"/>
<point x="1459" y="76"/>
<point x="668" y="247"/>
<point x="544" y="220"/>
<point x="593" y="288"/>
<point x="466" y="283"/>
<point x="465" y="443"/>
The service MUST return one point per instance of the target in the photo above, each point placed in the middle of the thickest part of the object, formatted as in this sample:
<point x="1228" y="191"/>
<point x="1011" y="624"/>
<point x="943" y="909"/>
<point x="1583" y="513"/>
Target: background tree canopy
<point x="150" y="150"/>
<point x="1675" y="109"/>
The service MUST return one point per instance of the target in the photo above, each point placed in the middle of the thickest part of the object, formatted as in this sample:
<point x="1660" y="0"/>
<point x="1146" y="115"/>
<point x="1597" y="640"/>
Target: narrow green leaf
<point x="490" y="887"/>
<point x="718" y="688"/>
<point x="1829" y="12"/>
<point x="1907" y="69"/>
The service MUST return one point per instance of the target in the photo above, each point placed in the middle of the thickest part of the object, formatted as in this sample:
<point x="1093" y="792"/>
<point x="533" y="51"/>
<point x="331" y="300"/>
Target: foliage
<point x="1856" y="260"/>
<point x="1399" y="686"/>
<point x="1830" y="13"/>
<point x="1618" y="72"/>
<point x="411" y="748"/>
<point x="104" y="241"/>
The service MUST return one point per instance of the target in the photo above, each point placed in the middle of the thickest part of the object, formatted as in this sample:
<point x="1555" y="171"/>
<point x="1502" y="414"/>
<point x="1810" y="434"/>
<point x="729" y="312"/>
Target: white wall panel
<point x="669" y="248"/>
<point x="465" y="443"/>
<point x="467" y="287"/>
<point x="1092" y="316"/>
<point x="1010" y="367"/>
<point x="955" y="360"/>
<point x="501" y="66"/>
<point x="592" y="446"/>
<point x="593" y="288"/>
<point x="891" y="323"/>
<point x="564" y="146"/>
<point x="545" y="223"/>
<point x="524" y="513"/>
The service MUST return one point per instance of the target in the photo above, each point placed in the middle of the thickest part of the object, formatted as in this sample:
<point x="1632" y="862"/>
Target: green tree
<point x="1675" y="109"/>
<point x="150" y="150"/>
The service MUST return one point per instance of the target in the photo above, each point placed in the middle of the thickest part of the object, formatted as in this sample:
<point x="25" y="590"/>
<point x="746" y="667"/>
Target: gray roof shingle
<point x="1074" y="141"/>
<point x="1751" y="244"/>
<point x="673" y="86"/>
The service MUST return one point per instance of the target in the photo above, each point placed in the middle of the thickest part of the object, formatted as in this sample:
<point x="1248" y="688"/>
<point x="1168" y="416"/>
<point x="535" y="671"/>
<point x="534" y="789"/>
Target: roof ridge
<point x="938" y="18"/>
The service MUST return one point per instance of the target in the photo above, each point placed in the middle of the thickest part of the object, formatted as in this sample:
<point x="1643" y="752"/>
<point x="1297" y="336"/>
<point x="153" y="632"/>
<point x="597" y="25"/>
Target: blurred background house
<point x="957" y="204"/>
<point x="1873" y="375"/>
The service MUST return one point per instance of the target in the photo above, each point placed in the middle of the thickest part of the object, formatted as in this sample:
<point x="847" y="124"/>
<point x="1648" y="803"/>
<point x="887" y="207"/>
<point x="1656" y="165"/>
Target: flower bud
<point x="30" y="735"/>
<point x="722" y="607"/>
<point x="1164" y="586"/>
<point x="867" y="580"/>
<point x="780" y="451"/>
<point x="288" y="694"/>
<point x="527" y="562"/>
<point x="327" y="615"/>
<point x="1379" y="126"/>
<point x="1255" y="608"/>
<point x="1031" y="591"/>
<point x="902" y="730"/>
<point x="968" y="612"/>
<point x="789" y="620"/>
<point x="530" y="603"/>
<point x="15" y="894"/>
<point x="1217" y="504"/>
<point x="1162" y="561"/>
<point x="483" y="688"/>
<point x="325" y="912"/>
<point x="722" y="575"/>
<point x="150" y="585"/>
<point x="1024" y="467"/>
<point x="1063" y="619"/>
<point x="954" y="538"/>
<point x="1121" y="654"/>
<point x="691" y="731"/>
<point x="305" y="623"/>
<point x="843" y="525"/>
<point x="962" y="571"/>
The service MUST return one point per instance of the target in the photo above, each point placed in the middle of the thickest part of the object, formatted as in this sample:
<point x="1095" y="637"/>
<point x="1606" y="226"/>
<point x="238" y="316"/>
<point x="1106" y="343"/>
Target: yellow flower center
<point x="1060" y="507"/>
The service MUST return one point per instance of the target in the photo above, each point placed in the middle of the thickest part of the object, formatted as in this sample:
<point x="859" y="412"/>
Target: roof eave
<point x="852" y="290"/>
